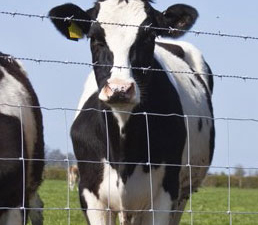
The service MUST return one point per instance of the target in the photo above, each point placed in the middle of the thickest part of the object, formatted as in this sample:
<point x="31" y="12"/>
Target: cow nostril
<point x="131" y="89"/>
<point x="114" y="89"/>
<point x="118" y="91"/>
<point x="123" y="94"/>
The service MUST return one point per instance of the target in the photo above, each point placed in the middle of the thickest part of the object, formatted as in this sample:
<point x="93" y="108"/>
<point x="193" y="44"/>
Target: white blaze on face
<point x="120" y="38"/>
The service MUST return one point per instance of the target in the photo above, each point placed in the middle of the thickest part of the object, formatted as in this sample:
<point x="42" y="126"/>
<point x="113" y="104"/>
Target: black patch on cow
<point x="174" y="49"/>
<point x="210" y="77"/>
<point x="14" y="69"/>
<point x="89" y="142"/>
<point x="200" y="124"/>
<point x="212" y="141"/>
<point x="11" y="175"/>
<point x="101" y="54"/>
<point x="208" y="96"/>
<point x="141" y="52"/>
<point x="120" y="1"/>
<point x="212" y="132"/>
<point x="192" y="82"/>
<point x="1" y="75"/>
<point x="83" y="203"/>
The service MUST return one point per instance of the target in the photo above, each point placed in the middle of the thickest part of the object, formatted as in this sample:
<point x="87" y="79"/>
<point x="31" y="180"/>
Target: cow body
<point x="21" y="139"/>
<point x="140" y="131"/>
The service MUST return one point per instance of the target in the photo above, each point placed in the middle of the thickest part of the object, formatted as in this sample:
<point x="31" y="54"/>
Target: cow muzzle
<point x="117" y="91"/>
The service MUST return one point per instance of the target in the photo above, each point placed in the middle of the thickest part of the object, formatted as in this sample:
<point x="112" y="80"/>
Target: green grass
<point x="54" y="194"/>
<point x="216" y="200"/>
<point x="209" y="206"/>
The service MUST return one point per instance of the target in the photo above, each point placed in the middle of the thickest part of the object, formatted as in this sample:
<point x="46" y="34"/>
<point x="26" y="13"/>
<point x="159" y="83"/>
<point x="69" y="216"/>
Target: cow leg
<point x="176" y="217"/>
<point x="36" y="215"/>
<point x="101" y="217"/>
<point x="162" y="201"/>
<point x="71" y="186"/>
<point x="12" y="217"/>
<point x="97" y="212"/>
<point x="130" y="218"/>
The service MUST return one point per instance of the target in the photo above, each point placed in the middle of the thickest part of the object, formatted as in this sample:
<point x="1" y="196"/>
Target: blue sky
<point x="61" y="85"/>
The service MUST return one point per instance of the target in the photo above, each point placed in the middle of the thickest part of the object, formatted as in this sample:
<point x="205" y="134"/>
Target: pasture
<point x="213" y="201"/>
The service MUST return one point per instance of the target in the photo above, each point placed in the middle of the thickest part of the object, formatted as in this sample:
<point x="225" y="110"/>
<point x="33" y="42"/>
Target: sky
<point x="60" y="86"/>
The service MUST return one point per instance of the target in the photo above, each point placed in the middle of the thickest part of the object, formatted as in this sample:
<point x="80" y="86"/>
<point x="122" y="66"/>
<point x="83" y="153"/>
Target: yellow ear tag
<point x="75" y="31"/>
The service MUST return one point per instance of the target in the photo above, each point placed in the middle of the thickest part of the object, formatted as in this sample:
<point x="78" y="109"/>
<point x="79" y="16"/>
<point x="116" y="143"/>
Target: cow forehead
<point x="118" y="11"/>
<point x="121" y="12"/>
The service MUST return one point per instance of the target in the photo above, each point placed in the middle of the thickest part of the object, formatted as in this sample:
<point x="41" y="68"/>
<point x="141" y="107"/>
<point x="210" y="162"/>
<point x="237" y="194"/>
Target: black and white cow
<point x="21" y="139"/>
<point x="119" y="185"/>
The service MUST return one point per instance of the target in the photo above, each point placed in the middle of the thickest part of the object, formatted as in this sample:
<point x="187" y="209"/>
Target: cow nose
<point x="117" y="91"/>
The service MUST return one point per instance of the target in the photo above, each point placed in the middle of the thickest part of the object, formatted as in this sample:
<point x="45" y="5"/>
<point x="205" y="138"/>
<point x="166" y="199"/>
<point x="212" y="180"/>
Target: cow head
<point x="122" y="47"/>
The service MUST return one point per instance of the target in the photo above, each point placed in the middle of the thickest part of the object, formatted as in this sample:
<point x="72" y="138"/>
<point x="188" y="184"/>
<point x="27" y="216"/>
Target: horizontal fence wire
<point x="169" y="30"/>
<point x="130" y="113"/>
<point x="128" y="163"/>
<point x="144" y="69"/>
<point x="135" y="211"/>
<point x="67" y="160"/>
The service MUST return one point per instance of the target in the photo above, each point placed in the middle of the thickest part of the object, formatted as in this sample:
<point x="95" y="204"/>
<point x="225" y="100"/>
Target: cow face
<point x="122" y="48"/>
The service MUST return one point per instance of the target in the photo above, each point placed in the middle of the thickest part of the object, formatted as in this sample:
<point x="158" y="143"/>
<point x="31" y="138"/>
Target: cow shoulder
<point x="173" y="48"/>
<point x="88" y="129"/>
<point x="192" y="56"/>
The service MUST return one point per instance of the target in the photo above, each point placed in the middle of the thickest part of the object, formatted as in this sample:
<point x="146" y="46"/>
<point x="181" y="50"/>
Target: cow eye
<point x="97" y="42"/>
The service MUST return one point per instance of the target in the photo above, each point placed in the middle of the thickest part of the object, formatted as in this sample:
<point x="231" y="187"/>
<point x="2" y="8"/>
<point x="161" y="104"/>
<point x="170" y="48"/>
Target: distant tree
<point x="72" y="158"/>
<point x="56" y="158"/>
<point x="239" y="173"/>
<point x="222" y="173"/>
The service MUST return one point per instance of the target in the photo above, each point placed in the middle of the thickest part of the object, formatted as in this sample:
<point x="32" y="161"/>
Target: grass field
<point x="209" y="206"/>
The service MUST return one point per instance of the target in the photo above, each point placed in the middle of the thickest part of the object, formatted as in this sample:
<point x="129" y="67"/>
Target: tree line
<point x="57" y="165"/>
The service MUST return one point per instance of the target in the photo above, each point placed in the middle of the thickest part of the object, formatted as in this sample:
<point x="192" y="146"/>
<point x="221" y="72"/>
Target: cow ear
<point x="73" y="29"/>
<point x="178" y="16"/>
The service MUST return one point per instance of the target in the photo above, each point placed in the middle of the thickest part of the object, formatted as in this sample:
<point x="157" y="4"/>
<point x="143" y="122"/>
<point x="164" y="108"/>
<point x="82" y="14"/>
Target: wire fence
<point x="169" y="30"/>
<point x="191" y="211"/>
<point x="150" y="164"/>
<point x="144" y="69"/>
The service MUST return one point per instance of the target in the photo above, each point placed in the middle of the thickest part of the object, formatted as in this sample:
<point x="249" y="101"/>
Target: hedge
<point x="235" y="181"/>
<point x="58" y="173"/>
<point x="55" y="173"/>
